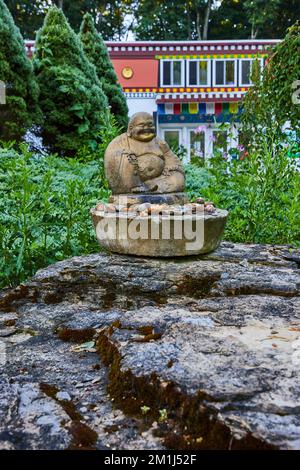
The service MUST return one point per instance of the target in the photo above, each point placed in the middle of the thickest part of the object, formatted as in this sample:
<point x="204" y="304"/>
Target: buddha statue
<point x="148" y="213"/>
<point x="138" y="162"/>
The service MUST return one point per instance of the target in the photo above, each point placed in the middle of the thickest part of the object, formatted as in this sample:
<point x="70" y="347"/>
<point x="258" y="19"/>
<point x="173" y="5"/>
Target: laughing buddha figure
<point x="139" y="162"/>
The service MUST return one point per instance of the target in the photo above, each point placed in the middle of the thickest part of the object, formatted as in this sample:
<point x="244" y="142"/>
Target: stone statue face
<point x="142" y="128"/>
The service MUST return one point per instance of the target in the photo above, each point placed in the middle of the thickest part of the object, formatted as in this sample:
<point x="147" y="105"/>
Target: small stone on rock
<point x="63" y="396"/>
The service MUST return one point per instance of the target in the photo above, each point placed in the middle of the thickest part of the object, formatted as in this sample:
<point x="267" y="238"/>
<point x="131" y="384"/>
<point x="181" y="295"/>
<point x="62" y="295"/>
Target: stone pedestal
<point x="130" y="199"/>
<point x="168" y="234"/>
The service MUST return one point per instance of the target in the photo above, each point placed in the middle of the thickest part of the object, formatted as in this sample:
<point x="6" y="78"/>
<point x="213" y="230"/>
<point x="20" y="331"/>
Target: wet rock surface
<point x="109" y="351"/>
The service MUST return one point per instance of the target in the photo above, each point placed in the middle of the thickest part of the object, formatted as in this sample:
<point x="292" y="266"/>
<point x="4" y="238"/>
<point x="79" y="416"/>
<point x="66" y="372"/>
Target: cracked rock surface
<point x="109" y="351"/>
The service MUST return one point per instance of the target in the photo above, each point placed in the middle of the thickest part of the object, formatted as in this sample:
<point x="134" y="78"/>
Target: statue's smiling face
<point x="143" y="129"/>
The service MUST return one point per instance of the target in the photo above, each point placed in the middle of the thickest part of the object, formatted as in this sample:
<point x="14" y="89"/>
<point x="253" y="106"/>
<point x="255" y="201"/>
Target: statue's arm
<point x="120" y="167"/>
<point x="172" y="178"/>
<point x="172" y="162"/>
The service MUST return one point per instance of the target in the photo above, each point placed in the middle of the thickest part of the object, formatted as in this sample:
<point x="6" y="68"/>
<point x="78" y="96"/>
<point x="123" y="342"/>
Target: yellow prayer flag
<point x="233" y="108"/>
<point x="193" y="108"/>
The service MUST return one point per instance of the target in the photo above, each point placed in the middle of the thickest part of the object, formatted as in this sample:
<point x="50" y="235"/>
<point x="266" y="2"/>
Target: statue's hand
<point x="132" y="158"/>
<point x="144" y="188"/>
<point x="152" y="187"/>
<point x="140" y="189"/>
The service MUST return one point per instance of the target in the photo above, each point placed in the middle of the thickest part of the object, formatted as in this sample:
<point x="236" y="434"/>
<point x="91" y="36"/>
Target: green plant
<point x="271" y="103"/>
<point x="97" y="53"/>
<point x="198" y="161"/>
<point x="20" y="109"/>
<point x="145" y="409"/>
<point x="72" y="99"/>
<point x="261" y="186"/>
<point x="261" y="191"/>
<point x="163" y="415"/>
<point x="179" y="150"/>
<point x="44" y="211"/>
<point x="198" y="179"/>
<point x="109" y="129"/>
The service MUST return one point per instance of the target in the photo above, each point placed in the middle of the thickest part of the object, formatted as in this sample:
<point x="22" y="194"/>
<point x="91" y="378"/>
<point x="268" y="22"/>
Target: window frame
<point x="235" y="61"/>
<point x="172" y="73"/>
<point x="261" y="61"/>
<point x="204" y="132"/>
<point x="173" y="129"/>
<point x="227" y="132"/>
<point x="208" y="83"/>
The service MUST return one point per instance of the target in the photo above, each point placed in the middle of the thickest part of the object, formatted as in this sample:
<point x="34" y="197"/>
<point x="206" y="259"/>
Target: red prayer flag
<point x="218" y="108"/>
<point x="177" y="108"/>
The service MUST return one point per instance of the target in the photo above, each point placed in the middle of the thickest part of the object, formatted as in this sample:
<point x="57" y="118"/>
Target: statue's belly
<point x="150" y="166"/>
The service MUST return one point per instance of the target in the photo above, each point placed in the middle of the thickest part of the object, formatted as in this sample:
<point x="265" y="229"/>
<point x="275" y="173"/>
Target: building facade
<point x="190" y="87"/>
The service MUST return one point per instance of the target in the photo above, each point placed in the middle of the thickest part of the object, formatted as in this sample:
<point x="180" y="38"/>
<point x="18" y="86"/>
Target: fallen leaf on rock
<point x="95" y="381"/>
<point x="277" y="337"/>
<point x="8" y="332"/>
<point x="19" y="338"/>
<point x="88" y="347"/>
<point x="80" y="385"/>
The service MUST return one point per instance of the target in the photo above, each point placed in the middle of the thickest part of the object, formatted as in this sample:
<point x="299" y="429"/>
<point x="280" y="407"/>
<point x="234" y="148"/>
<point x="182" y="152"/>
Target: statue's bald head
<point x="141" y="127"/>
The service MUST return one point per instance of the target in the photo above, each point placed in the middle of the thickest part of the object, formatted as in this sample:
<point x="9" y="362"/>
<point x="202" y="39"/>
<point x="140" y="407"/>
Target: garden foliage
<point x="44" y="211"/>
<point x="262" y="194"/>
<point x="274" y="100"/>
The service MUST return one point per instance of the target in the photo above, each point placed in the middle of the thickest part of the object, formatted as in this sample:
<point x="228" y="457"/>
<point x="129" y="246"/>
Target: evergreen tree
<point x="97" y="53"/>
<point x="72" y="99"/>
<point x="20" y="109"/>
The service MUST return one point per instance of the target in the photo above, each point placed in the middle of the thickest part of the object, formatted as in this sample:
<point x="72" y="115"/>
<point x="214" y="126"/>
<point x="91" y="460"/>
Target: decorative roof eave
<point x="195" y="42"/>
<point x="154" y="48"/>
<point x="214" y="56"/>
<point x="188" y="97"/>
<point x="150" y="49"/>
<point x="217" y="97"/>
<point x="168" y="90"/>
<point x="198" y="45"/>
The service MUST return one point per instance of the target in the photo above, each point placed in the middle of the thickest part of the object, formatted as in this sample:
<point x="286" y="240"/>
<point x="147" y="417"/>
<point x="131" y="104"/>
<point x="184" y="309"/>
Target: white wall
<point x="136" y="105"/>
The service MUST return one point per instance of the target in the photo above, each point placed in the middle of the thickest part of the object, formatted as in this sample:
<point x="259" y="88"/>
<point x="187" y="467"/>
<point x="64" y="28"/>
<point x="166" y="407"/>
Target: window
<point x="246" y="67"/>
<point x="225" y="72"/>
<point x="220" y="141"/>
<point x="198" y="73"/>
<point x="197" y="144"/>
<point x="167" y="73"/>
<point x="172" y="137"/>
<point x="172" y="73"/>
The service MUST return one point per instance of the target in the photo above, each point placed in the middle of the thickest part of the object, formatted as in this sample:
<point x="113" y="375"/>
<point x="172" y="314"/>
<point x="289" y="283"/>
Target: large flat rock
<point x="110" y="351"/>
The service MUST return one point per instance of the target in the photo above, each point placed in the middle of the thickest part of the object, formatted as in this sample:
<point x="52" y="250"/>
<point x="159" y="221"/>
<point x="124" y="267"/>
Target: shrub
<point x="72" y="99"/>
<point x="21" y="109"/>
<point x="262" y="195"/>
<point x="272" y="102"/>
<point x="44" y="211"/>
<point x="197" y="180"/>
<point x="97" y="53"/>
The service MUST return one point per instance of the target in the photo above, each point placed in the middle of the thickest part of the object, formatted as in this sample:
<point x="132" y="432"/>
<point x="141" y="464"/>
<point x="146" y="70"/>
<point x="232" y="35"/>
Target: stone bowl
<point x="159" y="235"/>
